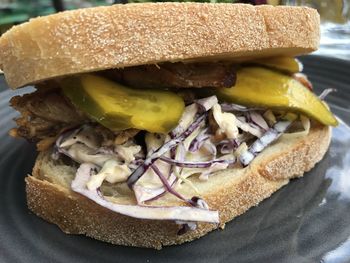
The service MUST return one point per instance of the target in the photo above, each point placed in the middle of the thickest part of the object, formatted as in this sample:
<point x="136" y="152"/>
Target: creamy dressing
<point x="83" y="154"/>
<point x="226" y="122"/>
<point x="127" y="152"/>
<point x="112" y="171"/>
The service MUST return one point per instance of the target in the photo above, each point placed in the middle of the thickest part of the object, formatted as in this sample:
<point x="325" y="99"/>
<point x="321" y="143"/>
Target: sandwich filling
<point x="153" y="141"/>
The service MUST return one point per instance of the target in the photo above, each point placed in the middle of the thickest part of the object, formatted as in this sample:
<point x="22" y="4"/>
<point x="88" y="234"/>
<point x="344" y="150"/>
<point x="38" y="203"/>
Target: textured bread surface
<point x="120" y="36"/>
<point x="231" y="192"/>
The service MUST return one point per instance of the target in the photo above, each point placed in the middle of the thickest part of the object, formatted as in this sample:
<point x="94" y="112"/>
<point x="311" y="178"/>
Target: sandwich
<point x="157" y="123"/>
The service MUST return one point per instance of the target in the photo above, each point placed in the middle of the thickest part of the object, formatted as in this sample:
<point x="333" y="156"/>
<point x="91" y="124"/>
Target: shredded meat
<point x="176" y="75"/>
<point x="44" y="113"/>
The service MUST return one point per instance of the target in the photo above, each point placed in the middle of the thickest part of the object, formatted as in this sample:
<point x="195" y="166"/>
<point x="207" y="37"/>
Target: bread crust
<point x="232" y="192"/>
<point x="120" y="36"/>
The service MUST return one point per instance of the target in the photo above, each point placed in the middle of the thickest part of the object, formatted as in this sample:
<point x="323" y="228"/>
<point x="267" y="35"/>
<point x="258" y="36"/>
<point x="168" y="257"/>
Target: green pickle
<point x="286" y="64"/>
<point x="258" y="86"/>
<point x="118" y="107"/>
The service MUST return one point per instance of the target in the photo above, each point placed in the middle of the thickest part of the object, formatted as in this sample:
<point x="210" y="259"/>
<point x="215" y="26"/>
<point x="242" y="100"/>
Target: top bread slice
<point x="231" y="192"/>
<point x="118" y="36"/>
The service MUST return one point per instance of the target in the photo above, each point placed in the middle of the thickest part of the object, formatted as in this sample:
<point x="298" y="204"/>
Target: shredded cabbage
<point x="182" y="213"/>
<point x="192" y="148"/>
<point x="305" y="121"/>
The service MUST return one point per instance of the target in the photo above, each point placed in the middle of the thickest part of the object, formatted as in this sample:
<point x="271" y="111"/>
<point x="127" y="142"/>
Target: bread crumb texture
<point x="118" y="36"/>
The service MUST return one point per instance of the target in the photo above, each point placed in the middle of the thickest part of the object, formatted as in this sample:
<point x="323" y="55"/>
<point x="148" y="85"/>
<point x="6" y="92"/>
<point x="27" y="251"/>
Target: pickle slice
<point x="286" y="64"/>
<point x="118" y="107"/>
<point x="257" y="86"/>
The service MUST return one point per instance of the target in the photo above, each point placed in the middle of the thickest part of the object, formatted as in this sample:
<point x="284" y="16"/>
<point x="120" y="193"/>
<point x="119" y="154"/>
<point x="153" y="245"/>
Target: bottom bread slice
<point x="231" y="192"/>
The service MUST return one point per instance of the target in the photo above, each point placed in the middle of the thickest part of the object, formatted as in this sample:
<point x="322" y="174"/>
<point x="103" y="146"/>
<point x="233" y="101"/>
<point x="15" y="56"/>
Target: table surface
<point x="335" y="40"/>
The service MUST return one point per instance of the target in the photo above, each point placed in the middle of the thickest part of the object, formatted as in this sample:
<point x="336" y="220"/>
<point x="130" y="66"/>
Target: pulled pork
<point x="44" y="114"/>
<point x="176" y="75"/>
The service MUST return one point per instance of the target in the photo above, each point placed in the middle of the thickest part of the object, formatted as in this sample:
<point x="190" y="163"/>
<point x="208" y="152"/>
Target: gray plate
<point x="306" y="221"/>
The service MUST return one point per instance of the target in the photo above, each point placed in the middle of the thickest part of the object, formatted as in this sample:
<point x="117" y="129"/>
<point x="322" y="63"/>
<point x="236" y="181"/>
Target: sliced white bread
<point x="118" y="36"/>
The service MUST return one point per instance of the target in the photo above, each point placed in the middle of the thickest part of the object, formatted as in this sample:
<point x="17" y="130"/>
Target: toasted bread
<point x="119" y="36"/>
